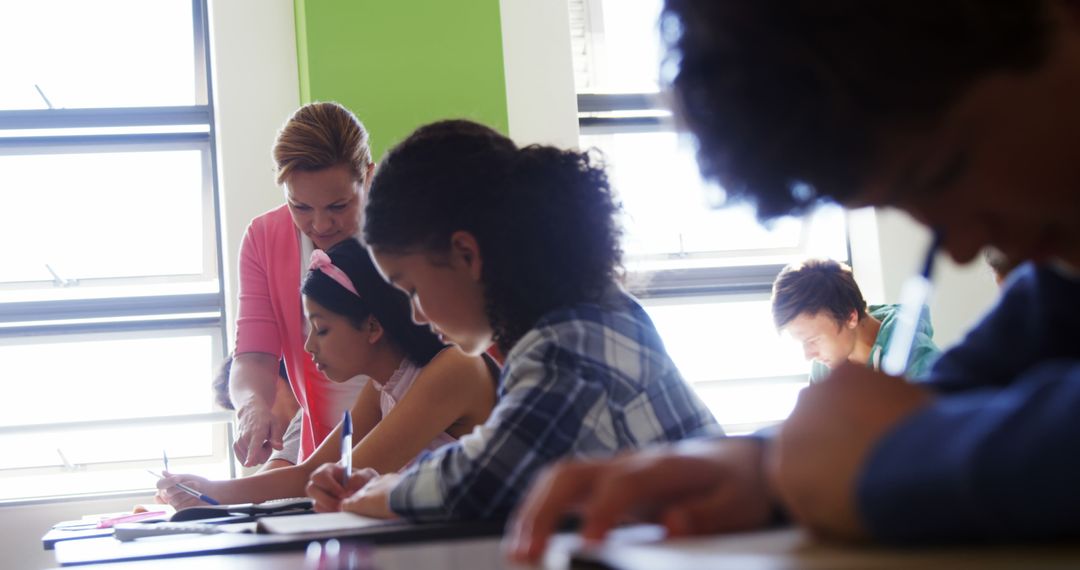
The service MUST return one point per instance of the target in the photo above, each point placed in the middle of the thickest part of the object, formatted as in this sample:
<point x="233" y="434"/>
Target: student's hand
<point x="324" y="485"/>
<point x="169" y="493"/>
<point x="695" y="487"/>
<point x="821" y="448"/>
<point x="374" y="499"/>
<point x="259" y="432"/>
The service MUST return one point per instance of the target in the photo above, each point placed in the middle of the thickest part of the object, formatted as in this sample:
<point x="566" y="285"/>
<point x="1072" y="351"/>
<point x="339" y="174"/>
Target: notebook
<point x="318" y="523"/>
<point x="274" y="507"/>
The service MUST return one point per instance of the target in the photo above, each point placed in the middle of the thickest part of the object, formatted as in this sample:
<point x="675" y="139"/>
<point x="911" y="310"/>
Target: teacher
<point x="323" y="163"/>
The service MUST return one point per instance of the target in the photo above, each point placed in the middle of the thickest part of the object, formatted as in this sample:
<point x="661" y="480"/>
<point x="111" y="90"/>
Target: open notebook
<point x="318" y="523"/>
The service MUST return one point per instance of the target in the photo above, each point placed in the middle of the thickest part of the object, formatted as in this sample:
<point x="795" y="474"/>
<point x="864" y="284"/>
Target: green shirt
<point x="923" y="350"/>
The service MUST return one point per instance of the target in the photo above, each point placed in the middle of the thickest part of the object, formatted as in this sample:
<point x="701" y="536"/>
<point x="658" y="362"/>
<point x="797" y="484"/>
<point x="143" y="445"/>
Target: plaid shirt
<point x="588" y="380"/>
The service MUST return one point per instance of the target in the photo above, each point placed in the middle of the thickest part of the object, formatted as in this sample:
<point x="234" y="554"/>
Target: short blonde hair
<point x="322" y="135"/>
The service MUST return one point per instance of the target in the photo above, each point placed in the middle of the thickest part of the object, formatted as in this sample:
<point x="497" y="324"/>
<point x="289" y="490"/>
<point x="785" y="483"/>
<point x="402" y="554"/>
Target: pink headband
<point x="320" y="261"/>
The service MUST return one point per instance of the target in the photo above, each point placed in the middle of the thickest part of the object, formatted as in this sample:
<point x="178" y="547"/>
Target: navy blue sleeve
<point x="997" y="453"/>
<point x="1037" y="318"/>
<point x="983" y="465"/>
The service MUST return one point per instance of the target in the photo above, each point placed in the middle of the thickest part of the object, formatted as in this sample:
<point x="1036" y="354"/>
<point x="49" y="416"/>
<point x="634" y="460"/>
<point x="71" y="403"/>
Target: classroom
<point x="155" y="143"/>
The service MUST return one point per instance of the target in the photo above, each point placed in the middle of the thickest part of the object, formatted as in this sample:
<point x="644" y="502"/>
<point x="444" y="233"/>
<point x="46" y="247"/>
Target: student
<point x="820" y="305"/>
<point x="422" y="394"/>
<point x="964" y="115"/>
<point x="517" y="247"/>
<point x="284" y="405"/>
<point x="323" y="161"/>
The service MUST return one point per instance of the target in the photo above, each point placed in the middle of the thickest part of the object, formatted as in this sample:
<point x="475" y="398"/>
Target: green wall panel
<point x="401" y="63"/>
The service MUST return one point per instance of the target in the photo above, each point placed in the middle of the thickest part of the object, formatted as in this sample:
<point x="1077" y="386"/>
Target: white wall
<point x="540" y="99"/>
<point x="256" y="87"/>
<point x="888" y="246"/>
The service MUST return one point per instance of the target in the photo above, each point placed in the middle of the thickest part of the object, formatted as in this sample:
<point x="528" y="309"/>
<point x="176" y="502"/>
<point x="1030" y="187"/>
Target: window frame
<point x="665" y="279"/>
<point x="164" y="305"/>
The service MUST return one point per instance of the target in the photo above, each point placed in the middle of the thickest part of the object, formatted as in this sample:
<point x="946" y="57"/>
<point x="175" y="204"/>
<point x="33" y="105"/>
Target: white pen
<point x="346" y="447"/>
<point x="913" y="296"/>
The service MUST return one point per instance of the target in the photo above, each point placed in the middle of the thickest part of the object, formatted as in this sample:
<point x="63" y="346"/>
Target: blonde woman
<point x="323" y="162"/>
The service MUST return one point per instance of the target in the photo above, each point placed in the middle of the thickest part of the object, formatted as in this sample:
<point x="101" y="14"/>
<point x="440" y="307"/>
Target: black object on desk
<point x="275" y="507"/>
<point x="219" y="514"/>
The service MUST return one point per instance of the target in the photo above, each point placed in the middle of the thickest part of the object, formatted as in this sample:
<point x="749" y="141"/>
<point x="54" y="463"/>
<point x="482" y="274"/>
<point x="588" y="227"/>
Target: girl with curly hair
<point x="517" y="247"/>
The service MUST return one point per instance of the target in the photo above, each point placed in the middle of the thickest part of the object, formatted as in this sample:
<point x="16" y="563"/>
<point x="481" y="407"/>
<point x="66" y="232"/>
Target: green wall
<point x="401" y="63"/>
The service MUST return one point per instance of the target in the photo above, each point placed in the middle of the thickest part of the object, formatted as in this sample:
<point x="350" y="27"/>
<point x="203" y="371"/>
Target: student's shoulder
<point x="615" y="309"/>
<point x="588" y="327"/>
<point x="452" y="367"/>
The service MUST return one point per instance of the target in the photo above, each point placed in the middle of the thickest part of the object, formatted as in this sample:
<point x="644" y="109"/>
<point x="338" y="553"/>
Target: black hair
<point x="544" y="218"/>
<point x="376" y="298"/>
<point x="788" y="99"/>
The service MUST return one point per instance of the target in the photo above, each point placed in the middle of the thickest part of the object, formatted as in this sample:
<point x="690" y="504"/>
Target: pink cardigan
<point x="270" y="319"/>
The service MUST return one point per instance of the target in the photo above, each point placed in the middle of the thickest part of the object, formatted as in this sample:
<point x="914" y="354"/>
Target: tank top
<point x="395" y="389"/>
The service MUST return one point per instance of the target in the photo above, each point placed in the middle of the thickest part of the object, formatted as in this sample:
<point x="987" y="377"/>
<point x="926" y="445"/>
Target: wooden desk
<point x="637" y="549"/>
<point x="793" y="549"/>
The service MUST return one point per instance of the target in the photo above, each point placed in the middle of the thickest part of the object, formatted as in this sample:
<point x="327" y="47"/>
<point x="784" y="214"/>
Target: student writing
<point x="421" y="394"/>
<point x="962" y="114"/>
<point x="517" y="247"/>
<point x="819" y="304"/>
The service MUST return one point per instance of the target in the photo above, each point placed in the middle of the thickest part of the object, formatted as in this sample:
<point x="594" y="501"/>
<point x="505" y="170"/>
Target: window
<point x="703" y="273"/>
<point x="110" y="298"/>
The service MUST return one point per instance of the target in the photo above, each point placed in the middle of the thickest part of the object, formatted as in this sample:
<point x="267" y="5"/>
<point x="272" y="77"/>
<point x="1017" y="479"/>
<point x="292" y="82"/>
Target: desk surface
<point x="638" y="549"/>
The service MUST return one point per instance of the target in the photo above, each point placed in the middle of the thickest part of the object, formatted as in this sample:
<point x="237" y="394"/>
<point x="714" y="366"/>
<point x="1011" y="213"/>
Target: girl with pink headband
<point x="422" y="394"/>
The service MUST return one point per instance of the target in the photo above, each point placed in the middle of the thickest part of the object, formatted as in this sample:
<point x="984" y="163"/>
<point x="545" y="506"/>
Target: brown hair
<point x="813" y="286"/>
<point x="322" y="135"/>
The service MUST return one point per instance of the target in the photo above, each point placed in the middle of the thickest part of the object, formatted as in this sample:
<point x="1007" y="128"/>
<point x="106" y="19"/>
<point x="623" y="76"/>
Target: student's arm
<point x="451" y="387"/>
<point x="278" y="483"/>
<point x="537" y="420"/>
<point x="995" y="464"/>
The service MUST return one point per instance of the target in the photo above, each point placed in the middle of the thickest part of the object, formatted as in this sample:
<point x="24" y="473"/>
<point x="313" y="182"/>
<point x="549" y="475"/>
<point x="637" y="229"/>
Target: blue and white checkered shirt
<point x="588" y="380"/>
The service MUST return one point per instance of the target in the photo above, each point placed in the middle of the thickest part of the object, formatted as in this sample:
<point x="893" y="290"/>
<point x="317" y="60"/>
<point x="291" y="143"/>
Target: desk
<point x="637" y="549"/>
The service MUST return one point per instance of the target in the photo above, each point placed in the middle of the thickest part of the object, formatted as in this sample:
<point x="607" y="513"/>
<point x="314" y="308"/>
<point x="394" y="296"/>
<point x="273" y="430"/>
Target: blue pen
<point x="346" y="448"/>
<point x="202" y="497"/>
<point x="913" y="296"/>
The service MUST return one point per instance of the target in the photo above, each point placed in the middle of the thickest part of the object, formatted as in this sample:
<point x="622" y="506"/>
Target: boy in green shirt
<point x="819" y="304"/>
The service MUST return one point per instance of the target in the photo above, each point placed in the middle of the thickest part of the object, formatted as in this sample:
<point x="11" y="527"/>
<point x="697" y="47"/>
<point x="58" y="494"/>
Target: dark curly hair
<point x="544" y="218"/>
<point x="376" y="297"/>
<point x="787" y="98"/>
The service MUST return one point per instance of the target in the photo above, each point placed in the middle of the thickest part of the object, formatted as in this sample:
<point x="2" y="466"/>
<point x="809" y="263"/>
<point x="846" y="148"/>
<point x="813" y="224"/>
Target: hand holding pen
<point x="168" y="482"/>
<point x="190" y="491"/>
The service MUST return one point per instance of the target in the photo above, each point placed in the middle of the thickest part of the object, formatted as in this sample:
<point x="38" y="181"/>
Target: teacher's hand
<point x="259" y="432"/>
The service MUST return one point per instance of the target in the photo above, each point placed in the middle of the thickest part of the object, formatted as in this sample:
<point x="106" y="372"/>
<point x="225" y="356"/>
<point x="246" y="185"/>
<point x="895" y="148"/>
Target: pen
<point x="202" y="497"/>
<point x="913" y="296"/>
<point x="165" y="460"/>
<point x="346" y="447"/>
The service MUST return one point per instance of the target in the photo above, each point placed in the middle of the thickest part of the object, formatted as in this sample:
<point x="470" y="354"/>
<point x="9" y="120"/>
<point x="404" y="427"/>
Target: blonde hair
<point x="322" y="135"/>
